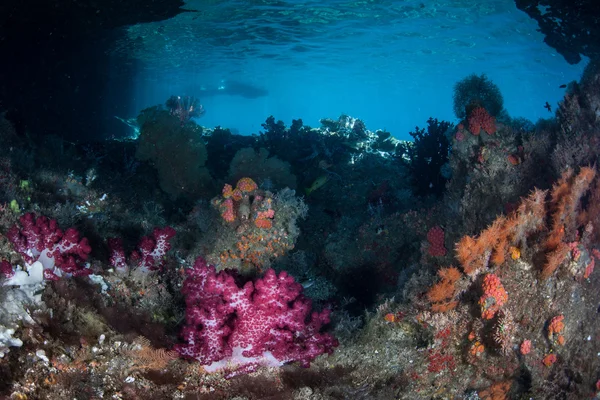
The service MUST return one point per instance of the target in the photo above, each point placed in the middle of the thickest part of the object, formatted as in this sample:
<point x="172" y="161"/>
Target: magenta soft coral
<point x="150" y="253"/>
<point x="152" y="249"/>
<point x="40" y="239"/>
<point x="238" y="329"/>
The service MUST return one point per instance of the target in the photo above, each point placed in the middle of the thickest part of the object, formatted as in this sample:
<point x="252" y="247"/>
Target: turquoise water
<point x="391" y="63"/>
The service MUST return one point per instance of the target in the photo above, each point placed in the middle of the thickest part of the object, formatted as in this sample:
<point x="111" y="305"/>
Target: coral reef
<point x="172" y="282"/>
<point x="257" y="226"/>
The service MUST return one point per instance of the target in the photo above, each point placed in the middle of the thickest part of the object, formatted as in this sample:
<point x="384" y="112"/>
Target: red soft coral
<point x="435" y="237"/>
<point x="494" y="296"/>
<point x="480" y="119"/>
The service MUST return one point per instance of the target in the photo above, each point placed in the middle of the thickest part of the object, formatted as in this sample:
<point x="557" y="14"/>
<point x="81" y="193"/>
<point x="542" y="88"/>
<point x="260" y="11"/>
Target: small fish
<point x="548" y="107"/>
<point x="320" y="181"/>
<point x="563" y="86"/>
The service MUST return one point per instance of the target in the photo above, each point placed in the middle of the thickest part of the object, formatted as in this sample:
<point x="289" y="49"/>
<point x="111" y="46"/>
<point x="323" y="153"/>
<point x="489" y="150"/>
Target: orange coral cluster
<point x="236" y="199"/>
<point x="515" y="252"/>
<point x="494" y="242"/>
<point x="566" y="211"/>
<point x="568" y="218"/>
<point x="255" y="250"/>
<point x="244" y="185"/>
<point x="254" y="238"/>
<point x="546" y="225"/>
<point x="263" y="223"/>
<point x="498" y="391"/>
<point x="493" y="298"/>
<point x="442" y="294"/>
<point x="227" y="210"/>
<point x="525" y="347"/>
<point x="227" y="191"/>
<point x="477" y="348"/>
<point x="549" y="360"/>
<point x="263" y="219"/>
<point x="555" y="327"/>
<point x="513" y="159"/>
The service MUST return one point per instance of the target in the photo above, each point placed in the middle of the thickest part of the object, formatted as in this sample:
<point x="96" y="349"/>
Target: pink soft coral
<point x="40" y="239"/>
<point x="264" y="323"/>
<point x="150" y="254"/>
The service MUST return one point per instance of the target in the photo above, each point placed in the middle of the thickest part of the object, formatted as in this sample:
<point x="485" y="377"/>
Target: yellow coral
<point x="515" y="253"/>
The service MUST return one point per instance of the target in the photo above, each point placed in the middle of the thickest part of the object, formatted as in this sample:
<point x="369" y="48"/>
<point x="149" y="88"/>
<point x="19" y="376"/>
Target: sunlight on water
<point x="390" y="63"/>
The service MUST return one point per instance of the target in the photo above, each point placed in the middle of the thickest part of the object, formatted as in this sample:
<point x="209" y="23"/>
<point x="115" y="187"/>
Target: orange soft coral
<point x="498" y="391"/>
<point x="442" y="294"/>
<point x="246" y="185"/>
<point x="556" y="326"/>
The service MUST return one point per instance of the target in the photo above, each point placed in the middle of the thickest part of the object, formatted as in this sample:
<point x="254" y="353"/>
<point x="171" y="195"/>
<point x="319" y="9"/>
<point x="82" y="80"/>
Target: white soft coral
<point x="21" y="293"/>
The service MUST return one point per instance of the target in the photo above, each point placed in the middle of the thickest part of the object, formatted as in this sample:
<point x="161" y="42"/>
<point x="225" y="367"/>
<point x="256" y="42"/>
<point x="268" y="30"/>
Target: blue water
<point x="391" y="63"/>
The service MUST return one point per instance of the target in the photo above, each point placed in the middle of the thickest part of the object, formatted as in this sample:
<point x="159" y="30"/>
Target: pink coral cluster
<point x="525" y="347"/>
<point x="6" y="270"/>
<point x="40" y="239"/>
<point x="435" y="237"/>
<point x="238" y="329"/>
<point x="117" y="253"/>
<point x="150" y="254"/>
<point x="480" y="119"/>
<point x="227" y="210"/>
<point x="494" y="296"/>
<point x="263" y="219"/>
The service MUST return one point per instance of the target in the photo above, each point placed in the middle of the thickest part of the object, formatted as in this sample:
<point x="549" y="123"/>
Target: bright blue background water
<point x="391" y="63"/>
